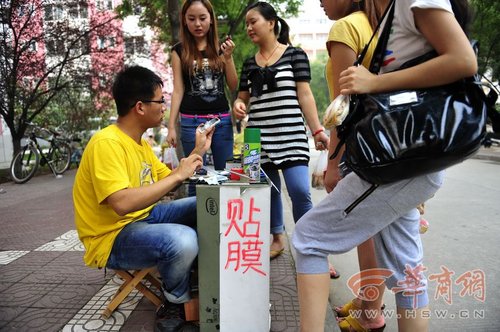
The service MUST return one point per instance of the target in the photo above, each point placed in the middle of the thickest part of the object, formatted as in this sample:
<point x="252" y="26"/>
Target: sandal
<point x="346" y="309"/>
<point x="349" y="324"/>
<point x="275" y="253"/>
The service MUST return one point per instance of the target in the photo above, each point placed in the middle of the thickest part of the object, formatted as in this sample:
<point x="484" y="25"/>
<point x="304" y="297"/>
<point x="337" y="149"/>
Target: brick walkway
<point x="44" y="285"/>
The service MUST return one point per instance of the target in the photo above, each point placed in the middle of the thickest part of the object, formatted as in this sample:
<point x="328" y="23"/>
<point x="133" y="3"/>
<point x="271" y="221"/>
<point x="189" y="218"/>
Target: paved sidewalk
<point x="44" y="285"/>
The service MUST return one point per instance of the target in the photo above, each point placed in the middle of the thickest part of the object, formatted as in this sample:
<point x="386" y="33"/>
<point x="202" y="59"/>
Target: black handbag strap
<point x="379" y="52"/>
<point x="388" y="11"/>
<point x="353" y="116"/>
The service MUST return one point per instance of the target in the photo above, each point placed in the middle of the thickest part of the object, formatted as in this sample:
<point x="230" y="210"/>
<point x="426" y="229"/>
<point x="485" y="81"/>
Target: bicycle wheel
<point x="24" y="164"/>
<point x="61" y="157"/>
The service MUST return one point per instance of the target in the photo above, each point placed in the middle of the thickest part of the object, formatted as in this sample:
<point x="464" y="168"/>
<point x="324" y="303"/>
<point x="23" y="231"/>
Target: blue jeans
<point x="166" y="239"/>
<point x="222" y="141"/>
<point x="297" y="184"/>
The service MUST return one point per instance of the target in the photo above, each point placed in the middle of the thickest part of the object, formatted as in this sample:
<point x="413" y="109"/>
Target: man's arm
<point x="133" y="199"/>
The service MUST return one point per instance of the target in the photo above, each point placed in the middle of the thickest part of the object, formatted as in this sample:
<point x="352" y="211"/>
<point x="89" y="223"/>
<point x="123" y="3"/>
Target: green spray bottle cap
<point x="252" y="135"/>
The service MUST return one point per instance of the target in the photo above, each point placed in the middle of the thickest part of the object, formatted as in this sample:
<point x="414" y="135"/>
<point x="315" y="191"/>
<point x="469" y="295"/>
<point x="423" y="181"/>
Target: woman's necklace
<point x="270" y="56"/>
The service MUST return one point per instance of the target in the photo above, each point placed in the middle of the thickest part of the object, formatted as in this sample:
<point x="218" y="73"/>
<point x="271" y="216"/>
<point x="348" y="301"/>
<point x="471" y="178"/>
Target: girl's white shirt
<point x="405" y="41"/>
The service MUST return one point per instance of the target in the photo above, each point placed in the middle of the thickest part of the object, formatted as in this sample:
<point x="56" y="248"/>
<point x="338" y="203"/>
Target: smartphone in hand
<point x="228" y="37"/>
<point x="209" y="124"/>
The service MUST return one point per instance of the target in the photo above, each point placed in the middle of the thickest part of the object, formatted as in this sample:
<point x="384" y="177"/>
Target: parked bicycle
<point x="57" y="156"/>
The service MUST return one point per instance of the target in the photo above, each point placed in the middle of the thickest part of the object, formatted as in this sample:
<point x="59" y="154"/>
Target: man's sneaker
<point x="169" y="317"/>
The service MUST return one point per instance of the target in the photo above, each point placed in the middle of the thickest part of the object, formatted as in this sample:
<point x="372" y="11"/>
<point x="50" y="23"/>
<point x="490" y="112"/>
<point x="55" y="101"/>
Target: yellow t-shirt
<point x="111" y="161"/>
<point x="354" y="31"/>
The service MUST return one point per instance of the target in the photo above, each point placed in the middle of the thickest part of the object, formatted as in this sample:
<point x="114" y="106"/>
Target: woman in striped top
<point x="274" y="91"/>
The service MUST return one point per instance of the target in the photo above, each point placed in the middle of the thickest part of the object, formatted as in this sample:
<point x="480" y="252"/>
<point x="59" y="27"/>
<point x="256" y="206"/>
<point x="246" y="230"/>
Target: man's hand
<point x="203" y="140"/>
<point x="187" y="166"/>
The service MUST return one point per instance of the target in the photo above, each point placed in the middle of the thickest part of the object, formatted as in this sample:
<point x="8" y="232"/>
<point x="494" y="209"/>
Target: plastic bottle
<point x="251" y="153"/>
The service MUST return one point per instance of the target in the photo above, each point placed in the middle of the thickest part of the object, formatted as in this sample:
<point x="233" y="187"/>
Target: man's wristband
<point x="320" y="130"/>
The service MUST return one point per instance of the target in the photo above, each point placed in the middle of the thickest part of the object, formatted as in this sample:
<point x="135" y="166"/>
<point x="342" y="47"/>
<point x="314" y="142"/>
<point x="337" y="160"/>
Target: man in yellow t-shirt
<point x="120" y="181"/>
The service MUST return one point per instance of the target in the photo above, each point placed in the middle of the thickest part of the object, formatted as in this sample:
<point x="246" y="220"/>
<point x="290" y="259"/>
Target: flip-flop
<point x="349" y="324"/>
<point x="275" y="253"/>
<point x="346" y="309"/>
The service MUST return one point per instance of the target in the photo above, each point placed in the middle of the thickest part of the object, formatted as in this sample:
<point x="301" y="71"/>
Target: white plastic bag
<point x="336" y="112"/>
<point x="170" y="158"/>
<point x="319" y="169"/>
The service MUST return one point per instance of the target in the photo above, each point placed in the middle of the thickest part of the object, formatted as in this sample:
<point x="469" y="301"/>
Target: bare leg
<point x="371" y="316"/>
<point x="278" y="242"/>
<point x="367" y="260"/>
<point x="413" y="320"/>
<point x="313" y="299"/>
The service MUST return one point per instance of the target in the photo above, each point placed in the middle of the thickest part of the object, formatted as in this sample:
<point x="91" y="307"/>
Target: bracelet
<point x="320" y="130"/>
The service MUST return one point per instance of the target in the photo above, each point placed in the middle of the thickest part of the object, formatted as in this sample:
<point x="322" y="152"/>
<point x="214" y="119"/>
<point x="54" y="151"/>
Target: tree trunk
<point x="16" y="142"/>
<point x="173" y="17"/>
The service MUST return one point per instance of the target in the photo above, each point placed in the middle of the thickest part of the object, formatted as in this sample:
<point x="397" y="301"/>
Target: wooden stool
<point x="131" y="281"/>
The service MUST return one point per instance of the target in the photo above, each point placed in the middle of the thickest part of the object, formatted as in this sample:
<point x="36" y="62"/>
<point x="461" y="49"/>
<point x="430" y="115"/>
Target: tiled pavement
<point x="44" y="285"/>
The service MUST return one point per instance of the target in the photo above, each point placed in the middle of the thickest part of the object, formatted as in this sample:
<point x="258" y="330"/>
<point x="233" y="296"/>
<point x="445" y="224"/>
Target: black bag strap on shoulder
<point x="353" y="116"/>
<point x="388" y="11"/>
<point x="378" y="54"/>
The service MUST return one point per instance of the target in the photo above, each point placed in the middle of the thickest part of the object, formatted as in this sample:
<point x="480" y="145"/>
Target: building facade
<point x="108" y="44"/>
<point x="310" y="28"/>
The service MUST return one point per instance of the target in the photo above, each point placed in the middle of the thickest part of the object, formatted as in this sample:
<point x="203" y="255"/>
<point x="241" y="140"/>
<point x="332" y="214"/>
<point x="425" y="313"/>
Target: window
<point x="305" y="36"/>
<point x="321" y="36"/>
<point x="21" y="11"/>
<point x="53" y="12"/>
<point x="84" y="45"/>
<point x="104" y="4"/>
<point x="55" y="47"/>
<point x="101" y="43"/>
<point x="80" y="47"/>
<point x="33" y="46"/>
<point x="136" y="45"/>
<point x="103" y="81"/>
<point x="111" y="41"/>
<point x="78" y="10"/>
<point x="105" y="42"/>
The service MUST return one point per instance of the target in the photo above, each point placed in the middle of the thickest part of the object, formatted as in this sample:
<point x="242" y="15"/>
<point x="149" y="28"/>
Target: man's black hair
<point x="133" y="84"/>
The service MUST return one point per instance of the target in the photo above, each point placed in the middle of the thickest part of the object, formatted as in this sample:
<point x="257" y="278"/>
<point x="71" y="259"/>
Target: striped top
<point x="277" y="111"/>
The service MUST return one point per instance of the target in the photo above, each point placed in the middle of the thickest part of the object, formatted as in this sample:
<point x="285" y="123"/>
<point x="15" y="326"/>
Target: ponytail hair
<point x="281" y="28"/>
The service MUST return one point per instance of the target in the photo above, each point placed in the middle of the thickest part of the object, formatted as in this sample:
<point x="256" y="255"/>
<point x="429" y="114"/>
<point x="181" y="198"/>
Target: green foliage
<point x="318" y="84"/>
<point x="71" y="110"/>
<point x="485" y="29"/>
<point x="230" y="16"/>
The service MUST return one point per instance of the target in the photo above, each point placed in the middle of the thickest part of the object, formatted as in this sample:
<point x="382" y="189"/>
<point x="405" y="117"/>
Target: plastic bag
<point x="170" y="158"/>
<point x="319" y="170"/>
<point x="336" y="112"/>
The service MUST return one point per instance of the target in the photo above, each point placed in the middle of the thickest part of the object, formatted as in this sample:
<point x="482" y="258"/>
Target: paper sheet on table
<point x="213" y="179"/>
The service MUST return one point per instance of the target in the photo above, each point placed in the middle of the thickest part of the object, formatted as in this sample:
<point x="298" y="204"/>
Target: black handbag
<point x="403" y="134"/>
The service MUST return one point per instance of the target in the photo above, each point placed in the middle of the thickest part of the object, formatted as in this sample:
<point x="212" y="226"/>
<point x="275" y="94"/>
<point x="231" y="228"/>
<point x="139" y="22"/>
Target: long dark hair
<point x="189" y="50"/>
<point x="281" y="28"/>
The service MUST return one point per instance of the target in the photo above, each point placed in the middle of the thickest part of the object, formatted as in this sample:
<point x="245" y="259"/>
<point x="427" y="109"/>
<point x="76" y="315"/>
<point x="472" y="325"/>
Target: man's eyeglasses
<point x="161" y="101"/>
